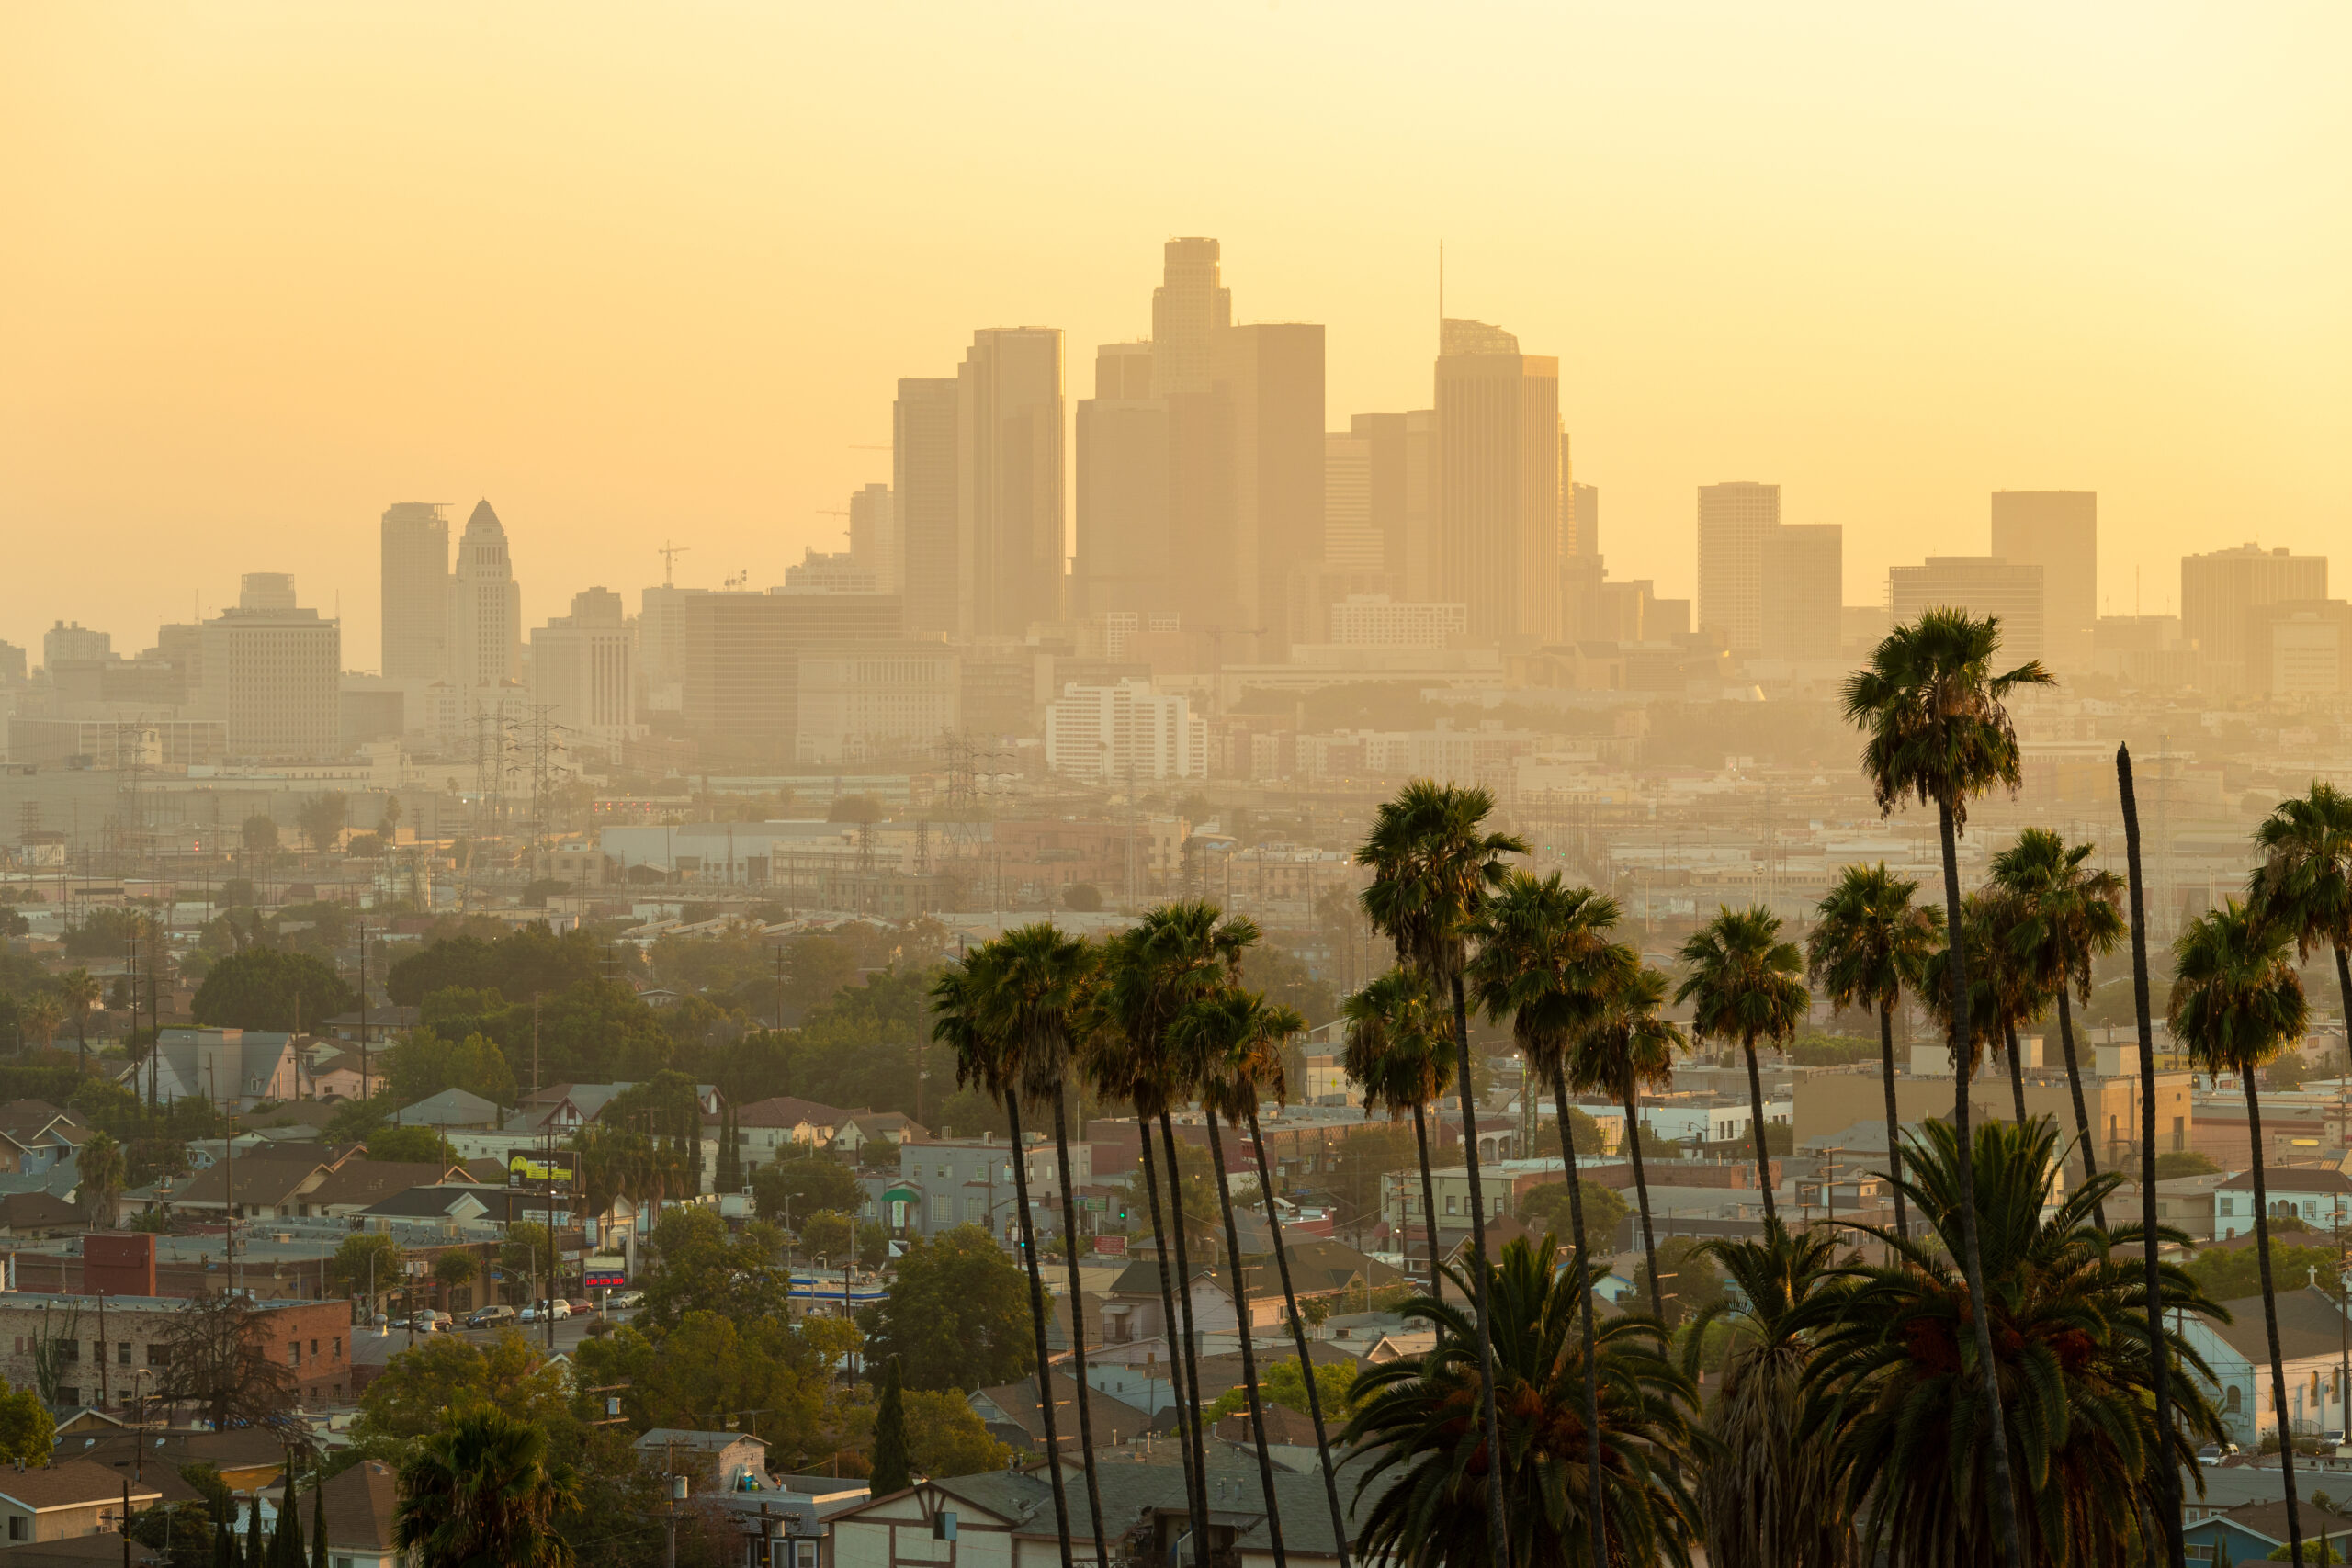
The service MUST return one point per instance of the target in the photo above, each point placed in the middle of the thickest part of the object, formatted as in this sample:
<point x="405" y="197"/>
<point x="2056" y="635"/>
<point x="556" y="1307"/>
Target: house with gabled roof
<point x="36" y="1138"/>
<point x="59" y="1502"/>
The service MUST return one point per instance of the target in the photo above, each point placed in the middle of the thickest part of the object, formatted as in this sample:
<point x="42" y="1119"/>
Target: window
<point x="2179" y="1132"/>
<point x="73" y="1349"/>
<point x="336" y="1344"/>
<point x="19" y="1527"/>
<point x="340" y="1561"/>
<point x="1452" y="1204"/>
<point x="2195" y="1553"/>
<point x="122" y="1353"/>
<point x="314" y="1349"/>
<point x="2230" y="1401"/>
<point x="293" y="1352"/>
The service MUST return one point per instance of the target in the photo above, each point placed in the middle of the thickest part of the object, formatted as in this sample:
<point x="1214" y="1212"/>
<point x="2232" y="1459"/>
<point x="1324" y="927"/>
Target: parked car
<point x="490" y="1316"/>
<point x="580" y="1308"/>
<point x="557" y="1309"/>
<point x="626" y="1300"/>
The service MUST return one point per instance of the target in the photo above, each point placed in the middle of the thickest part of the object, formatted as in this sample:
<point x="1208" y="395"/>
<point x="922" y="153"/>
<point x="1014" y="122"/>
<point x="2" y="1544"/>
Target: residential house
<point x="236" y="1068"/>
<point x="60" y="1502"/>
<point x="376" y="1026"/>
<point x="451" y="1109"/>
<point x="2313" y="1337"/>
<point x="946" y="1183"/>
<point x="467" y="1203"/>
<point x="2254" y="1532"/>
<point x="1320" y="1269"/>
<point x="717" y="1461"/>
<point x="891" y="1127"/>
<point x="784" y="1127"/>
<point x="340" y="1075"/>
<point x="359" y="1185"/>
<point x="1011" y="1415"/>
<point x="26" y="1216"/>
<point x="2319" y="1195"/>
<point x="360" y="1505"/>
<point x="36" y="1138"/>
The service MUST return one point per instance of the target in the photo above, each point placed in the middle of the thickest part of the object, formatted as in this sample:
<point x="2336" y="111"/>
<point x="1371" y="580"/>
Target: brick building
<point x="113" y="1348"/>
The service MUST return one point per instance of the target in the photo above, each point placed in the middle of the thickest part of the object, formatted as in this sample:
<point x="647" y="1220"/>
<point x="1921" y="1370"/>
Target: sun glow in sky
<point x="638" y="272"/>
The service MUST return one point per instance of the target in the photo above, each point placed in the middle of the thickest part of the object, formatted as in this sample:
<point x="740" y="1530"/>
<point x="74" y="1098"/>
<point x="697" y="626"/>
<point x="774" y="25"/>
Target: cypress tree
<point x="286" y="1540"/>
<point x="255" y="1557"/>
<point x="318" y="1520"/>
<point x="893" y="1466"/>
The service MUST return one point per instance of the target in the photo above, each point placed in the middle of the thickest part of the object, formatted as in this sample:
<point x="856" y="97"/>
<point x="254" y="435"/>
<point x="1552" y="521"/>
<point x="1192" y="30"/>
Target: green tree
<point x="268" y="988"/>
<point x="1547" y="1208"/>
<point x="420" y="1145"/>
<point x="2305" y="880"/>
<point x="28" y="1434"/>
<point x="1867" y="941"/>
<point x="808" y="1183"/>
<point x="482" y="1490"/>
<point x="1695" y="1284"/>
<point x="944" y="1435"/>
<point x="2236" y="1004"/>
<point x="1396" y="1052"/>
<point x="217" y="1356"/>
<point x="78" y="990"/>
<point x="1938" y="731"/>
<point x="1629" y="1049"/>
<point x="955" y="1316"/>
<point x="1743" y="986"/>
<point x="829" y="1233"/>
<point x="1891" y="1369"/>
<point x="104" y="1175"/>
<point x="523" y="1260"/>
<point x="893" y="1464"/>
<point x="365" y="1264"/>
<point x="445" y="1373"/>
<point x="698" y="1266"/>
<point x="322" y="817"/>
<point x="1335" y="1389"/>
<point x="423" y="1062"/>
<point x="1429" y="1491"/>
<point x="260" y="834"/>
<point x="2186" y="1162"/>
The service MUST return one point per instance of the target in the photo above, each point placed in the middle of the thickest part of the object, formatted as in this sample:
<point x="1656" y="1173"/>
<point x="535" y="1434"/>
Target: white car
<point x="626" y="1300"/>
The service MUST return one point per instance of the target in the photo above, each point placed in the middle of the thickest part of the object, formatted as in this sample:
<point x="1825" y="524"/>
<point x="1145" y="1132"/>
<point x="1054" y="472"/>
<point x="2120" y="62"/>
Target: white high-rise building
<point x="272" y="673"/>
<point x="1735" y="520"/>
<point x="485" y="648"/>
<point x="874" y="541"/>
<point x="415" y="582"/>
<point x="582" y="668"/>
<point x="1126" y="730"/>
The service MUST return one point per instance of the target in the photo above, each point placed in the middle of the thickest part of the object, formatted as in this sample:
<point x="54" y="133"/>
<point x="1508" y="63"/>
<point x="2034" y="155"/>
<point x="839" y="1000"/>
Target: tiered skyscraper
<point x="485" y="648"/>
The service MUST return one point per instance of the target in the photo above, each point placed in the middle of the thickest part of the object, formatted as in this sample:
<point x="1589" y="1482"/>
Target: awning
<point x="902" y="1194"/>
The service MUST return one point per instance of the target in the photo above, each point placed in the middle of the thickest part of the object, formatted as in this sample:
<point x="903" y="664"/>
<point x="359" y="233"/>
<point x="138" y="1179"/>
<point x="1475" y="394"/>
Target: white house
<point x="2320" y="1195"/>
<point x="2313" y="1337"/>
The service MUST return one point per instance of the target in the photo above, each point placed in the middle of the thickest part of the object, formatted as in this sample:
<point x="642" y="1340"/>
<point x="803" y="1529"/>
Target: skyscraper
<point x="582" y="666"/>
<point x="924" y="491"/>
<point x="1269" y="389"/>
<point x="1499" y="482"/>
<point x="1009" y="517"/>
<point x="1734" y="520"/>
<point x="1982" y="585"/>
<point x="874" y="542"/>
<point x="414" y="583"/>
<point x="1123" y="491"/>
<point x="1584" y="518"/>
<point x="2057" y="530"/>
<point x="1351" y="542"/>
<point x="1189" y="309"/>
<point x="485" y="648"/>
<point x="1803" y="572"/>
<point x="272" y="673"/>
<point x="2218" y="590"/>
<point x="1404" y="497"/>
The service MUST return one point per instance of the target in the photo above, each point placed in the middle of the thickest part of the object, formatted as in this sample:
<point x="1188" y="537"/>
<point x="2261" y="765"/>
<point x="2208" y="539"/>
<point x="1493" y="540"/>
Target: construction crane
<point x="670" y="554"/>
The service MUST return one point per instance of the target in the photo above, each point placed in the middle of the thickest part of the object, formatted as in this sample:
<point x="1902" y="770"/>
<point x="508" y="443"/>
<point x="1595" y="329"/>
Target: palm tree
<point x="1893" y="1368"/>
<point x="1938" y="732"/>
<point x="1234" y="1044"/>
<point x="1629" y="1050"/>
<point x="2305" y="878"/>
<point x="1743" y="986"/>
<point x="1397" y="1053"/>
<point x="1768" y="1491"/>
<point x="2068" y="914"/>
<point x="1432" y="868"/>
<point x="2236" y="1003"/>
<point x="81" y="992"/>
<point x="1417" y="1419"/>
<point x="968" y="1016"/>
<point x="480" y="1490"/>
<point x="1868" y="941"/>
<point x="1044" y="980"/>
<point x="102" y="1175"/>
<point x="1173" y="956"/>
<point x="1998" y="990"/>
<point x="1545" y="963"/>
<point x="43" y="1017"/>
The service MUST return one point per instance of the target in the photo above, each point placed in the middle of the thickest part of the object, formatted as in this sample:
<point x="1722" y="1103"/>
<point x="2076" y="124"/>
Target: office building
<point x="923" y="494"/>
<point x="874" y="542"/>
<point x="840" y="572"/>
<point x="661" y="637"/>
<point x="1009" y="517"/>
<point x="2219" y="589"/>
<point x="1351" y="542"/>
<point x="413" y="583"/>
<point x="485" y="646"/>
<point x="2057" y="530"/>
<point x="1499" y="482"/>
<point x="1375" y="620"/>
<point x="1123" y="486"/>
<point x="1584" y="514"/>
<point x="272" y="673"/>
<point x="1982" y="585"/>
<point x="741" y="679"/>
<point x="1268" y="390"/>
<point x="1189" y="309"/>
<point x="582" y="672"/>
<point x="1733" y="520"/>
<point x="873" y="703"/>
<point x="2300" y="649"/>
<point x="1402" y="496"/>
<point x="13" y="667"/>
<point x="74" y="644"/>
<point x="1122" y="731"/>
<point x="1802" y="574"/>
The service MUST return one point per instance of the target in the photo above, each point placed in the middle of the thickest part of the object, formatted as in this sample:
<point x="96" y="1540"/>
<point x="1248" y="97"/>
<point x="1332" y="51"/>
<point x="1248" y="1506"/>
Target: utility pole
<point x="363" y="1011"/>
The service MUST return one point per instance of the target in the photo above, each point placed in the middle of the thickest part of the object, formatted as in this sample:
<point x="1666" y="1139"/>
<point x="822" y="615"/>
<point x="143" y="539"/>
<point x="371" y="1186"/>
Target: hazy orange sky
<point x="645" y="271"/>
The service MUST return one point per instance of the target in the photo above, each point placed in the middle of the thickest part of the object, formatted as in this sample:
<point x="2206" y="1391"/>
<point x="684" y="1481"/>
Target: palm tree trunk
<point x="1192" y="1337"/>
<point x="2005" y="1495"/>
<point x="2270" y="1322"/>
<point x="1077" y="1323"/>
<point x="1195" y="1500"/>
<point x="1496" y="1520"/>
<point x="2082" y="1111"/>
<point x="1755" y="1127"/>
<point x="1298" y="1338"/>
<point x="2017" y="1070"/>
<point x="1641" y="1194"/>
<point x="1594" y="1502"/>
<point x="1428" y="1199"/>
<point x="1893" y="1112"/>
<point x="1038" y="1320"/>
<point x="1249" y="1351"/>
<point x="2167" y="1479"/>
<point x="2344" y="988"/>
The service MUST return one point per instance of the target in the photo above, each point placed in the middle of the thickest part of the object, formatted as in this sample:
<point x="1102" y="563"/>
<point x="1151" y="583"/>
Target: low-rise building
<point x="61" y="1502"/>
<point x="104" y="1342"/>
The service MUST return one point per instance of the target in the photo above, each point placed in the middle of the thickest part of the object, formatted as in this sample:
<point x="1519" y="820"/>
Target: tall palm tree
<point x="2305" y="880"/>
<point x="1399" y="1054"/>
<point x="2069" y="913"/>
<point x="1545" y="963"/>
<point x="2236" y="1003"/>
<point x="1235" y="1041"/>
<point x="102" y="1177"/>
<point x="1432" y="865"/>
<point x="1045" y="980"/>
<point x="969" y="1016"/>
<point x="1743" y="986"/>
<point x="1893" y="1368"/>
<point x="1415" y="1423"/>
<point x="81" y="992"/>
<point x="480" y="1490"/>
<point x="1629" y="1050"/>
<point x="2000" y="993"/>
<point x="1867" y="941"/>
<point x="1173" y="956"/>
<point x="1770" y="1492"/>
<point x="1938" y="732"/>
<point x="43" y="1017"/>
